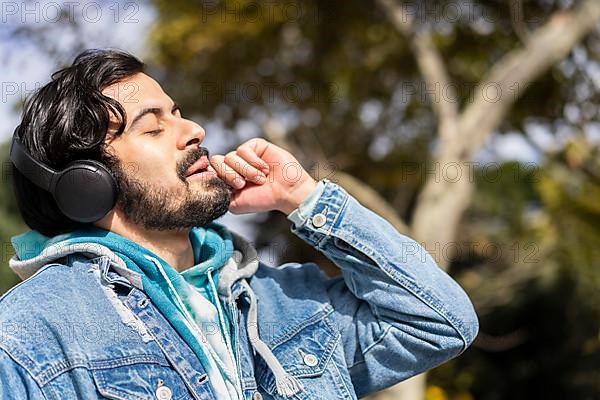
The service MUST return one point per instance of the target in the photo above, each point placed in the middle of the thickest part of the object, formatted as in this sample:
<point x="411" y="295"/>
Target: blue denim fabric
<point x="76" y="329"/>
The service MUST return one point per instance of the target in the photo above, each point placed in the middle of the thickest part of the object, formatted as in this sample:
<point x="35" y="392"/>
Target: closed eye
<point x="175" y="110"/>
<point x="154" y="132"/>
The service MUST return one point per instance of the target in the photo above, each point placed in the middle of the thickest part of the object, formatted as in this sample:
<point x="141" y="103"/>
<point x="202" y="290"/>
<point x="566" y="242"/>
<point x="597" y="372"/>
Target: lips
<point x="198" y="166"/>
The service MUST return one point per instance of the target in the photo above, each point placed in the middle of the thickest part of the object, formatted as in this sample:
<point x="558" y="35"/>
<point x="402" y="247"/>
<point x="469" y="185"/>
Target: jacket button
<point x="164" y="393"/>
<point x="318" y="220"/>
<point x="257" y="396"/>
<point x="310" y="360"/>
<point x="143" y="302"/>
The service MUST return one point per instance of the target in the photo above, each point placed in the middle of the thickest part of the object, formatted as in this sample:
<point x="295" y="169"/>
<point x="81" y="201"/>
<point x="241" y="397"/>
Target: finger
<point x="225" y="172"/>
<point x="244" y="168"/>
<point x="258" y="145"/>
<point x="248" y="153"/>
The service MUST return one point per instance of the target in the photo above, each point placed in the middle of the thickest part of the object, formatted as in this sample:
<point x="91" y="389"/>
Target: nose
<point x="192" y="134"/>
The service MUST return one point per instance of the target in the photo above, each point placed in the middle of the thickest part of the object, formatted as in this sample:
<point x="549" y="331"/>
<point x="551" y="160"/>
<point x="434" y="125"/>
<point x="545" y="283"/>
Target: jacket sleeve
<point x="398" y="312"/>
<point x="16" y="382"/>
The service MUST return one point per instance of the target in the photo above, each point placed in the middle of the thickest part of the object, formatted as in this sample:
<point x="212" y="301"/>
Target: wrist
<point x="295" y="196"/>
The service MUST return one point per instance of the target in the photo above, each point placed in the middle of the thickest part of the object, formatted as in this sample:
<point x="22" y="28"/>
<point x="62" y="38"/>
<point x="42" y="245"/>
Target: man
<point x="132" y="291"/>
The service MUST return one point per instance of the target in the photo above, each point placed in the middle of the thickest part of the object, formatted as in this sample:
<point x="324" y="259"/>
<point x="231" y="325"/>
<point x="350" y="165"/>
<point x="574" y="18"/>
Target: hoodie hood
<point x="34" y="250"/>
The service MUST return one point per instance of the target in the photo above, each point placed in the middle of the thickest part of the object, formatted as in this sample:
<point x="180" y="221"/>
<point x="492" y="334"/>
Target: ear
<point x="109" y="139"/>
<point x="114" y="124"/>
<point x="113" y="128"/>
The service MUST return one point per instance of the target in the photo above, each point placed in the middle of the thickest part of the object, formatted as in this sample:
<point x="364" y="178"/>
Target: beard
<point x="156" y="207"/>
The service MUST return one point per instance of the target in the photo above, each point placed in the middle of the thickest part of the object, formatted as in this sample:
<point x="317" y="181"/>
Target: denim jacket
<point x="391" y="314"/>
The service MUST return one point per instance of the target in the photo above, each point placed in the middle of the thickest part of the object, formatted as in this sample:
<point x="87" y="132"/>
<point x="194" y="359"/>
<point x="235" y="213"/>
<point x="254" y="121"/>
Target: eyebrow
<point x="157" y="111"/>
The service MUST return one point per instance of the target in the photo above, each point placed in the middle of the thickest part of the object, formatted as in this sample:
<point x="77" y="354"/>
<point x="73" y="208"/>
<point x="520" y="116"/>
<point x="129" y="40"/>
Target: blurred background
<point x="471" y="125"/>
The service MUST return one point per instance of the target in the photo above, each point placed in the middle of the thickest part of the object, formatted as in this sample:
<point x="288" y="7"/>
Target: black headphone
<point x="85" y="190"/>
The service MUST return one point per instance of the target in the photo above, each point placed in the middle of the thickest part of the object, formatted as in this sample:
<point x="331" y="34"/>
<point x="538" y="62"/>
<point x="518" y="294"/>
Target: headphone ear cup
<point x="85" y="191"/>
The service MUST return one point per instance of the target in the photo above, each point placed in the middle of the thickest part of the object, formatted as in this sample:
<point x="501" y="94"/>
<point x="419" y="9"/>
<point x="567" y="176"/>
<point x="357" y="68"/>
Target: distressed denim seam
<point x="19" y="362"/>
<point x="67" y="365"/>
<point x="339" y="373"/>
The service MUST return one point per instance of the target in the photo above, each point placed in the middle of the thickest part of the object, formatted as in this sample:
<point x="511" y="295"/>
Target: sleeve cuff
<point x="299" y="215"/>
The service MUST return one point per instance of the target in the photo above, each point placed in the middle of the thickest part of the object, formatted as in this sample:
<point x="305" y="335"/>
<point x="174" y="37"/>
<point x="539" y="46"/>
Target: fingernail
<point x="260" y="178"/>
<point x="239" y="183"/>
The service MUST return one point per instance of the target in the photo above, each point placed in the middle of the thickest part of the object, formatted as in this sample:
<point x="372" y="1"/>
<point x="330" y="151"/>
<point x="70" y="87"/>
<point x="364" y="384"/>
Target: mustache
<point x="189" y="159"/>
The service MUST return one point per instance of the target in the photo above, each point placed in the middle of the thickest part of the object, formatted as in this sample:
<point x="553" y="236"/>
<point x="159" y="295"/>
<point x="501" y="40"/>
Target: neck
<point x="172" y="246"/>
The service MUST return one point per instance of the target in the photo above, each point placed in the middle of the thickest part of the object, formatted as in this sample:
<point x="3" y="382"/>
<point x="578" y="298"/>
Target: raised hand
<point x="265" y="177"/>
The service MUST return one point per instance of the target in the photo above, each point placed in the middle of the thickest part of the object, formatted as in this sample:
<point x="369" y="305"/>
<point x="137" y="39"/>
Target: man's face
<point x="156" y="152"/>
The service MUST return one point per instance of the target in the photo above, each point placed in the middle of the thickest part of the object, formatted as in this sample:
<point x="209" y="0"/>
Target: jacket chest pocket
<point x="140" y="380"/>
<point x="306" y="354"/>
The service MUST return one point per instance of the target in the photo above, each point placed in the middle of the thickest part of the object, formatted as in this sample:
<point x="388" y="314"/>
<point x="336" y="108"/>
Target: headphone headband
<point x="38" y="173"/>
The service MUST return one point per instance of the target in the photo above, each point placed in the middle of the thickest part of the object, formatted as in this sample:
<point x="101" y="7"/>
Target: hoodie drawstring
<point x="287" y="385"/>
<point x="224" y="329"/>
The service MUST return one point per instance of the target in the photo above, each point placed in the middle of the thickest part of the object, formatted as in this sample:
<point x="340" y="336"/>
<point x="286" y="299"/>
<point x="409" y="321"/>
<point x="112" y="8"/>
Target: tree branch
<point x="431" y="65"/>
<point x="444" y="199"/>
<point x="510" y="77"/>
<point x="518" y="20"/>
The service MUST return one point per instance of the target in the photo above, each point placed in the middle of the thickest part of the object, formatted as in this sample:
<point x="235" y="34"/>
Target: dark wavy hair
<point x="66" y="120"/>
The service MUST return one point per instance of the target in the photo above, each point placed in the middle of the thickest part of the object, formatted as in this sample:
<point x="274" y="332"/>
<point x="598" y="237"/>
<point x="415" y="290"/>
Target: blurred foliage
<point x="340" y="84"/>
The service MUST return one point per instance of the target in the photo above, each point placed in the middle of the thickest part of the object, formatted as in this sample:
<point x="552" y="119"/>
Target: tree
<point x="350" y="54"/>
